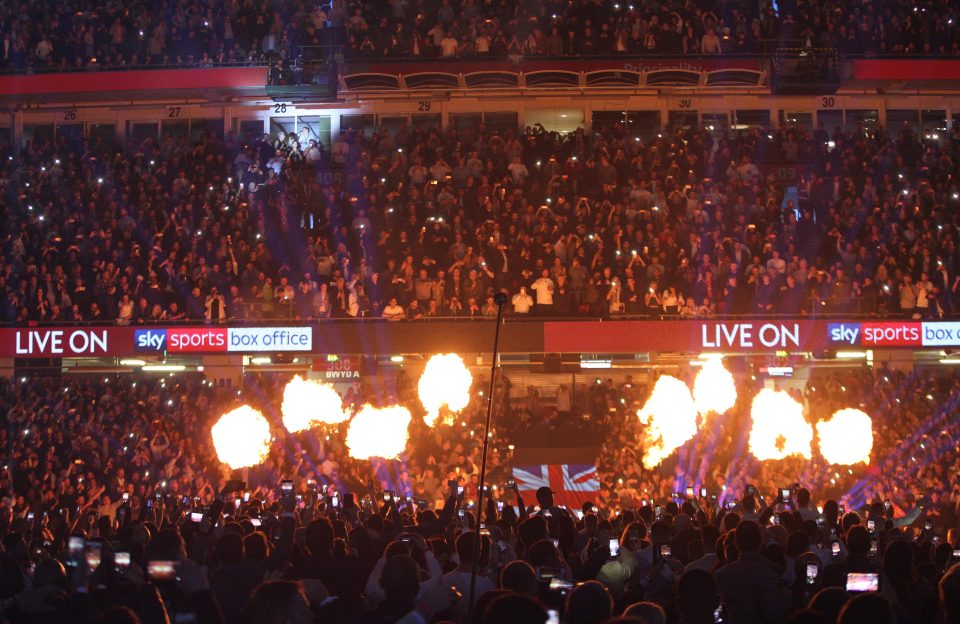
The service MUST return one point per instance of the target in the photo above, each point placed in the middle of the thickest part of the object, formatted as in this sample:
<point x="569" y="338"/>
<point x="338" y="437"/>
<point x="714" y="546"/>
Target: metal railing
<point x="770" y="47"/>
<point x="314" y="54"/>
<point x="255" y="313"/>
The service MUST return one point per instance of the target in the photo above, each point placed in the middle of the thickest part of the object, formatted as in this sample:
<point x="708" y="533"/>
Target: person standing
<point x="522" y="301"/>
<point x="544" y="287"/>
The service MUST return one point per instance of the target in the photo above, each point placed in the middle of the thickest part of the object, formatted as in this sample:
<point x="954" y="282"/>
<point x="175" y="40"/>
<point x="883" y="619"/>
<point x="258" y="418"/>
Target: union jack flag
<point x="572" y="484"/>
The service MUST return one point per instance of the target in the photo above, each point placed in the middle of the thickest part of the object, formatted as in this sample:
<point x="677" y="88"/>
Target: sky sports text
<point x="235" y="339"/>
<point x="895" y="334"/>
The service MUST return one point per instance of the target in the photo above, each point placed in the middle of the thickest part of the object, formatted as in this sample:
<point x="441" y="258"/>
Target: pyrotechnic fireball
<point x="307" y="403"/>
<point x="445" y="381"/>
<point x="376" y="432"/>
<point x="241" y="437"/>
<point x="714" y="389"/>
<point x="670" y="416"/>
<point x="847" y="438"/>
<point x="779" y="428"/>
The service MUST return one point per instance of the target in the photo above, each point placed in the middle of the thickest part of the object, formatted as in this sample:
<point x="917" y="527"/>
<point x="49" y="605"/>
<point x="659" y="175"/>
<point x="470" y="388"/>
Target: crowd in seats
<point x="154" y="438"/>
<point x="423" y="222"/>
<point x="80" y="36"/>
<point x="914" y="445"/>
<point x="558" y="28"/>
<point x="73" y="35"/>
<point x="96" y="468"/>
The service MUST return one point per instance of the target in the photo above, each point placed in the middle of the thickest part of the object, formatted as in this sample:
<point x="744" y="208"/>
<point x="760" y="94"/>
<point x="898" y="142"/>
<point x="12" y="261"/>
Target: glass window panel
<point x="716" y="123"/>
<point x="249" y="130"/>
<point x="751" y="118"/>
<point x="393" y="123"/>
<point x="137" y="133"/>
<point x="899" y="120"/>
<point x="864" y="120"/>
<point x="501" y="122"/>
<point x="426" y="121"/>
<point x="176" y="129"/>
<point x="287" y="125"/>
<point x="562" y="120"/>
<point x="608" y="120"/>
<point x="358" y="123"/>
<point x="38" y="133"/>
<point x="643" y="124"/>
<point x="830" y="120"/>
<point x="677" y="119"/>
<point x="317" y="128"/>
<point x="206" y="127"/>
<point x="71" y="135"/>
<point x="796" y="119"/>
<point x="104" y="134"/>
<point x="933" y="123"/>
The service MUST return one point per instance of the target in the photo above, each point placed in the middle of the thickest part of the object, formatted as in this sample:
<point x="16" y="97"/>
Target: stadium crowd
<point x="117" y="465"/>
<point x="913" y="436"/>
<point x="424" y="222"/>
<point x="75" y="35"/>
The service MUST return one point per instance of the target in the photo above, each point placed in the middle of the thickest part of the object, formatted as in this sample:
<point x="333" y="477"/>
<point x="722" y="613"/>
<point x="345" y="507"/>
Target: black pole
<point x="500" y="299"/>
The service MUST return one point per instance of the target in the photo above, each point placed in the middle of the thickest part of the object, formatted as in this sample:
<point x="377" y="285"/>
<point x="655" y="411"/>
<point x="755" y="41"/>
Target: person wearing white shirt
<point x="522" y="302"/>
<point x="313" y="154"/>
<point x="706" y="563"/>
<point x="563" y="401"/>
<point x="518" y="171"/>
<point x="276" y="163"/>
<point x="44" y="49"/>
<point x="448" y="46"/>
<point x="710" y="42"/>
<point x="777" y="263"/>
<point x="803" y="505"/>
<point x="460" y="578"/>
<point x="329" y="465"/>
<point x="708" y="537"/>
<point x="748" y="171"/>
<point x="614" y="304"/>
<point x="925" y="295"/>
<point x="339" y="152"/>
<point x="482" y="44"/>
<point x="393" y="311"/>
<point x="439" y="170"/>
<point x="543" y="287"/>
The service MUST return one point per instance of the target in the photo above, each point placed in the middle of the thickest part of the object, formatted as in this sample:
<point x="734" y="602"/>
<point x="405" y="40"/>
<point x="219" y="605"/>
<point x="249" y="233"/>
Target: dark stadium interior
<point x="479" y="311"/>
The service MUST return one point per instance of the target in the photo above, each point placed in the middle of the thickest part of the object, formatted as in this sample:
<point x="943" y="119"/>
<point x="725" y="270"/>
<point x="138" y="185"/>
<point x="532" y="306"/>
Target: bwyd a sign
<point x="336" y="369"/>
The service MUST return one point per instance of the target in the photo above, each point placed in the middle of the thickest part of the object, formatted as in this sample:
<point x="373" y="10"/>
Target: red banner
<point x="905" y="69"/>
<point x="685" y="336"/>
<point x="136" y="80"/>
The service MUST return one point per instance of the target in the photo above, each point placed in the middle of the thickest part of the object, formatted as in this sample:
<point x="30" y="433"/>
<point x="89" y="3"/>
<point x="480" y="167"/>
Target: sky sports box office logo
<point x="894" y="334"/>
<point x="222" y="339"/>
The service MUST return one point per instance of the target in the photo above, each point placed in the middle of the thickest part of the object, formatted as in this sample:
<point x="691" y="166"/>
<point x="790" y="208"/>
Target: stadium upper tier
<point x="63" y="36"/>
<point x="424" y="222"/>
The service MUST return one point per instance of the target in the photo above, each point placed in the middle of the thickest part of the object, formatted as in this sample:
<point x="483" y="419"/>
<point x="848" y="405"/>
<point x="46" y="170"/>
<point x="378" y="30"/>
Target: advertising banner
<point x="526" y="336"/>
<point x="123" y="341"/>
<point x="685" y="336"/>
